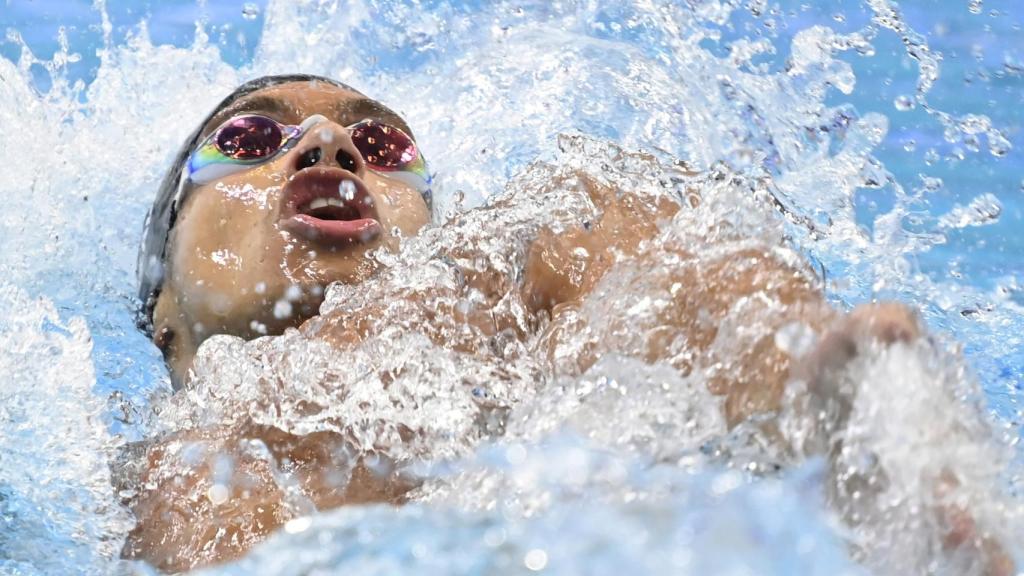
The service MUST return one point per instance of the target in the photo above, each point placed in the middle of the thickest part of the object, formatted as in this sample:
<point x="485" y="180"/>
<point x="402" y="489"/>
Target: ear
<point x="172" y="337"/>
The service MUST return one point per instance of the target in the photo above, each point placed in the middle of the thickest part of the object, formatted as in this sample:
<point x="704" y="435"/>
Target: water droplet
<point x="910" y="145"/>
<point x="282" y="309"/>
<point x="998" y="145"/>
<point x="931" y="183"/>
<point x="218" y="494"/>
<point x="903" y="103"/>
<point x="250" y="11"/>
<point x="974" y="6"/>
<point x="296" y="525"/>
<point x="931" y="156"/>
<point x="983" y="210"/>
<point x="795" y="339"/>
<point x="972" y="143"/>
<point x="839" y="17"/>
<point x="536" y="560"/>
<point x="347" y="190"/>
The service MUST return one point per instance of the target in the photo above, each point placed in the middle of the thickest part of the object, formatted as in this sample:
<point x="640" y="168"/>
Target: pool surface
<point x="892" y="137"/>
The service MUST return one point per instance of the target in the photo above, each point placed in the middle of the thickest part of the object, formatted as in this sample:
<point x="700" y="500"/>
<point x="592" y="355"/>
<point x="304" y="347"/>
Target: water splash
<point x="55" y="480"/>
<point x="652" y="76"/>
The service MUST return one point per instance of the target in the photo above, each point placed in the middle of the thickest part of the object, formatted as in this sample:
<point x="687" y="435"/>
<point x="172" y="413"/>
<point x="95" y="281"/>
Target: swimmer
<point x="288" y="186"/>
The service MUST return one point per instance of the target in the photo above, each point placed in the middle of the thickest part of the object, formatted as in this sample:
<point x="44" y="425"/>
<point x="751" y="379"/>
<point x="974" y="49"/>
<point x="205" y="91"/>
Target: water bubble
<point x="931" y="156"/>
<point x="972" y="142"/>
<point x="250" y="11"/>
<point x="261" y="288"/>
<point x="839" y="17"/>
<point x="293" y="293"/>
<point x="903" y="103"/>
<point x="910" y="145"/>
<point x="998" y="145"/>
<point x="218" y="494"/>
<point x="536" y="560"/>
<point x="282" y="309"/>
<point x="974" y="6"/>
<point x="297" y="525"/>
<point x="795" y="339"/>
<point x="975" y="124"/>
<point x="983" y="210"/>
<point x="931" y="183"/>
<point x="347" y="190"/>
<point x="258" y="327"/>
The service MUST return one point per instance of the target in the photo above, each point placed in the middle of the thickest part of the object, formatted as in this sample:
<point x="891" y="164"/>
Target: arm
<point x="207" y="496"/>
<point x="699" y="292"/>
<point x="737" y="314"/>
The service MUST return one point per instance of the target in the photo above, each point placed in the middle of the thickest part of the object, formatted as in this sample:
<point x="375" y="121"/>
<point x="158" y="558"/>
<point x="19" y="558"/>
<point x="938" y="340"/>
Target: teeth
<point x="325" y="202"/>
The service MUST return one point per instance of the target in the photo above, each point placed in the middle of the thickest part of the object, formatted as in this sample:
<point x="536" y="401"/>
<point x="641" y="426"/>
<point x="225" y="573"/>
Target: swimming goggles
<point x="249" y="140"/>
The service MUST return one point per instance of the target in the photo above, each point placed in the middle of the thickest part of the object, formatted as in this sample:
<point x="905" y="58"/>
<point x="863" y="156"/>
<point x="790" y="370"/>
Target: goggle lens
<point x="249" y="138"/>
<point x="383" y="147"/>
<point x="245" y="141"/>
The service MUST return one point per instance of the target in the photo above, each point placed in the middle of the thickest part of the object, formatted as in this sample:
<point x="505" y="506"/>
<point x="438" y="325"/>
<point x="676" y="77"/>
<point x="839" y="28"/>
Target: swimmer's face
<point x="257" y="241"/>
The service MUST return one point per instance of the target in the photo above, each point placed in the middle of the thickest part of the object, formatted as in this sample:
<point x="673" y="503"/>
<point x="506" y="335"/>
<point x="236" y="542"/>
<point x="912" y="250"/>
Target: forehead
<point x="293" y="102"/>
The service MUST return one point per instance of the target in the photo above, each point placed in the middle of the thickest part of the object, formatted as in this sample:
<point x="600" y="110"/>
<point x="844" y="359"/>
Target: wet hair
<point x="162" y="216"/>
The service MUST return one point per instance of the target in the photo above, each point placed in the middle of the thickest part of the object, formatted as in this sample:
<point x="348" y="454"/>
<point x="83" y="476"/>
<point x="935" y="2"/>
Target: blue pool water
<point x="86" y="141"/>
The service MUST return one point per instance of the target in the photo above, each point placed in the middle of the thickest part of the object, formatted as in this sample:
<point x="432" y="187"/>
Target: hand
<point x="826" y="403"/>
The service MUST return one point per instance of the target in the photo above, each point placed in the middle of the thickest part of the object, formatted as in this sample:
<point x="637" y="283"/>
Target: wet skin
<point x="182" y="524"/>
<point x="237" y="249"/>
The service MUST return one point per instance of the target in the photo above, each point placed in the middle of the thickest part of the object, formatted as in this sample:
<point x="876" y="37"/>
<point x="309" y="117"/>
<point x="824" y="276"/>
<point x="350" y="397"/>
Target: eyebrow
<point x="346" y="112"/>
<point x="264" y="104"/>
<point x="363" y="108"/>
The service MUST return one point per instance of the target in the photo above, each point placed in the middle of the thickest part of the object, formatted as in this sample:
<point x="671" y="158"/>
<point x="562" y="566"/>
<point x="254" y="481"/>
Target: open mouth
<point x="329" y="206"/>
<point x="330" y="209"/>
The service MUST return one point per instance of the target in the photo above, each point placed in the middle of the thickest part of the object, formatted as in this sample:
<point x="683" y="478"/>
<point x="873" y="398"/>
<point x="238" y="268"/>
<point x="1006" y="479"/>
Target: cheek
<point x="227" y="227"/>
<point x="259" y="190"/>
<point x="399" y="205"/>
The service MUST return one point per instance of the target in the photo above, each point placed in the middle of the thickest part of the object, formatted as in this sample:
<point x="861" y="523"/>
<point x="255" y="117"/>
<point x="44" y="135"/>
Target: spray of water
<point x="536" y="462"/>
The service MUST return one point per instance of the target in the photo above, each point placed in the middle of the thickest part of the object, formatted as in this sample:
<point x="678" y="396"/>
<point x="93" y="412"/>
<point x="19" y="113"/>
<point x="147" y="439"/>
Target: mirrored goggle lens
<point x="249" y="138"/>
<point x="384" y="147"/>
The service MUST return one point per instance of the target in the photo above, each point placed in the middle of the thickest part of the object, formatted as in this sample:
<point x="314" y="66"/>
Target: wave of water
<point x="625" y="464"/>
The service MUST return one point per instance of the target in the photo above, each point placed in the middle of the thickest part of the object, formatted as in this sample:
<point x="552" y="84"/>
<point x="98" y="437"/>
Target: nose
<point x="328" y="144"/>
